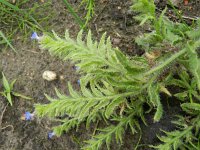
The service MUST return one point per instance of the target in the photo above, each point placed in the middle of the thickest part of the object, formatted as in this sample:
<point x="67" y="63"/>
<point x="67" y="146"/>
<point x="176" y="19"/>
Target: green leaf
<point x="73" y="93"/>
<point x="20" y="95"/>
<point x="159" y="23"/>
<point x="6" y="84"/>
<point x="49" y="98"/>
<point x="182" y="96"/>
<point x="159" y="112"/>
<point x="60" y="96"/>
<point x="154" y="98"/>
<point x="193" y="34"/>
<point x="145" y="19"/>
<point x="12" y="84"/>
<point x="191" y="107"/>
<point x="86" y="109"/>
<point x="111" y="107"/>
<point x="79" y="38"/>
<point x="9" y="98"/>
<point x="102" y="45"/>
<point x="173" y="38"/>
<point x="89" y="40"/>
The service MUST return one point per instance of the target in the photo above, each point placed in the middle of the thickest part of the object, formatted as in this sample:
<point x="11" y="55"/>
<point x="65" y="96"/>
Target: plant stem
<point x="105" y="97"/>
<point x="7" y="41"/>
<point x="168" y="61"/>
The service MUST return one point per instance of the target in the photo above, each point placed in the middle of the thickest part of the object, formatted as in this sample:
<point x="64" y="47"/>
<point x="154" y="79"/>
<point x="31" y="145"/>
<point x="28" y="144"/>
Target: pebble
<point x="116" y="41"/>
<point x="49" y="75"/>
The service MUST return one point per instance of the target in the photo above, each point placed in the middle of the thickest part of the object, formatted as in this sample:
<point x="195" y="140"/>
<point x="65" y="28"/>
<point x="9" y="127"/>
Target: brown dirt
<point x="30" y="62"/>
<point x="189" y="12"/>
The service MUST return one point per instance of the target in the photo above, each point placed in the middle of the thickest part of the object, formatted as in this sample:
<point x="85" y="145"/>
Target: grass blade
<point x="7" y="41"/>
<point x="71" y="10"/>
<point x="15" y="8"/>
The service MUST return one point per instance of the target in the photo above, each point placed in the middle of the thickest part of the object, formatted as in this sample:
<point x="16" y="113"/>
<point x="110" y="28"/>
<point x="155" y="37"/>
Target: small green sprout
<point x="8" y="90"/>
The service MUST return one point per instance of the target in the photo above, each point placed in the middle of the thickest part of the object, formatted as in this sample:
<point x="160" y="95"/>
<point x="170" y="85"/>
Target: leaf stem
<point x="168" y="61"/>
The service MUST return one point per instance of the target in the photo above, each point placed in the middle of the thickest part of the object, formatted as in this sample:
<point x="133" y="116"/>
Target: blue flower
<point x="27" y="116"/>
<point x="35" y="36"/>
<point x="50" y="135"/>
<point x="79" y="82"/>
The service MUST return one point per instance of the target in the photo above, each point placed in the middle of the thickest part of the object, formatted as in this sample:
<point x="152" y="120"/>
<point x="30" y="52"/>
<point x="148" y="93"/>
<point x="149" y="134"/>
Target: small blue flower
<point x="35" y="36"/>
<point x="27" y="116"/>
<point x="50" y="135"/>
<point x="78" y="81"/>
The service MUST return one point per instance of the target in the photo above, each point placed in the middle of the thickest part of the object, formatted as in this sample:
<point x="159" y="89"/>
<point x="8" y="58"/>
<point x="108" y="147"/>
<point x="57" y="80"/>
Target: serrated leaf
<point x="111" y="107"/>
<point x="94" y="89"/>
<point x="86" y="109"/>
<point x="49" y="98"/>
<point x="89" y="40"/>
<point x="191" y="107"/>
<point x="182" y="96"/>
<point x="85" y="91"/>
<point x="79" y="38"/>
<point x="108" y="141"/>
<point x="159" y="113"/>
<point x="73" y="93"/>
<point x="56" y="36"/>
<point x="60" y="96"/>
<point x="145" y="19"/>
<point x="102" y="45"/>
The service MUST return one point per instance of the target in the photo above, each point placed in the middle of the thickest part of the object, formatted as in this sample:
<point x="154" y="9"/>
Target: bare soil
<point x="28" y="64"/>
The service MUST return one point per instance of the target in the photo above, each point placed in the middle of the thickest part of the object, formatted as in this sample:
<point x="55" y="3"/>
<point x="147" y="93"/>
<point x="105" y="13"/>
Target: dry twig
<point x="2" y="115"/>
<point x="1" y="118"/>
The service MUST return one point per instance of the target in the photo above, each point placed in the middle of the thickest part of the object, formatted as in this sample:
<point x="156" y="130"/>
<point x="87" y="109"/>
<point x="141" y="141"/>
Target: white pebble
<point x="49" y="75"/>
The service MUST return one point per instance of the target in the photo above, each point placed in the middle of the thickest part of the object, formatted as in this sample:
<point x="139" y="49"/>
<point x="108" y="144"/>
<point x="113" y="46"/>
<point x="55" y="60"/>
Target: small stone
<point x="49" y="75"/>
<point x="116" y="41"/>
<point x="119" y="7"/>
<point x="62" y="77"/>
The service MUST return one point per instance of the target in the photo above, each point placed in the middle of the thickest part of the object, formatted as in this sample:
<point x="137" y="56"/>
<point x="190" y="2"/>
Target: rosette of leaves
<point x="8" y="91"/>
<point x="114" y="87"/>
